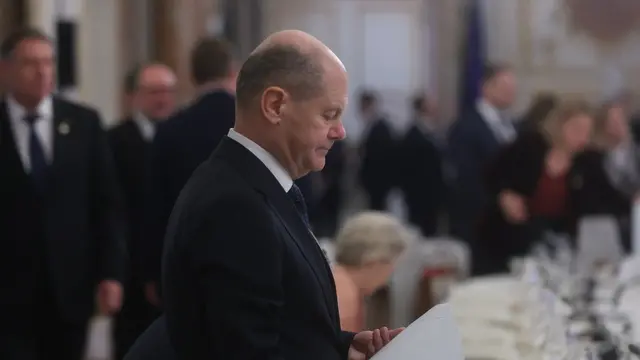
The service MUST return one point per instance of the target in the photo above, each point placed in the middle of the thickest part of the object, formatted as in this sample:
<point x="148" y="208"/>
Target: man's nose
<point x="338" y="132"/>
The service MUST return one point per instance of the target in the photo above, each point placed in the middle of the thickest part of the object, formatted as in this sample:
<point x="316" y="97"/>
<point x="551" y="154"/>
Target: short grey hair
<point x="279" y="65"/>
<point x="370" y="237"/>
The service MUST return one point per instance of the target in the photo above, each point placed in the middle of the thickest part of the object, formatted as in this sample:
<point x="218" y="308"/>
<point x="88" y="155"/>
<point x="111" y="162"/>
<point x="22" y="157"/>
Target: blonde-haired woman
<point x="532" y="186"/>
<point x="367" y="248"/>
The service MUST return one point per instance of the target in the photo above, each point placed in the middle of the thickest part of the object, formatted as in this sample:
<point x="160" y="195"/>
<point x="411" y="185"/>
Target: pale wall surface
<point x="529" y="34"/>
<point x="533" y="35"/>
<point x="419" y="37"/>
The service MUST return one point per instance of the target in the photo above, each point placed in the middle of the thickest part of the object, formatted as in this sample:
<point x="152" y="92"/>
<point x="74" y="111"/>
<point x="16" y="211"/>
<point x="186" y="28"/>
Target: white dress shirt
<point x="146" y="127"/>
<point x="21" y="129"/>
<point x="503" y="130"/>
<point x="267" y="159"/>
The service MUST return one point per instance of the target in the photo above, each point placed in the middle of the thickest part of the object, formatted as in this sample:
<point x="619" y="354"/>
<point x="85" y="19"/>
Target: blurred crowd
<point x="85" y="210"/>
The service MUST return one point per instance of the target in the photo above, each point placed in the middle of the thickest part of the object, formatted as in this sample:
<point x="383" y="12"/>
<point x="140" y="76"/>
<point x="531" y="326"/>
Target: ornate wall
<point x="177" y="25"/>
<point x="549" y="53"/>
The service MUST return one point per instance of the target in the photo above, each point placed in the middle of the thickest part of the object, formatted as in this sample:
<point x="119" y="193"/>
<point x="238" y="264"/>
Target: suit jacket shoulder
<point x="66" y="107"/>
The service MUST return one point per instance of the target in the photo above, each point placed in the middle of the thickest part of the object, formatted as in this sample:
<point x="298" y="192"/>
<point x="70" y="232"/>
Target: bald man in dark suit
<point x="243" y="275"/>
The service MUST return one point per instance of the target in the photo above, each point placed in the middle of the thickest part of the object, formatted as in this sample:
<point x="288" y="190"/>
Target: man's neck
<point x="217" y="85"/>
<point x="30" y="104"/>
<point x="257" y="136"/>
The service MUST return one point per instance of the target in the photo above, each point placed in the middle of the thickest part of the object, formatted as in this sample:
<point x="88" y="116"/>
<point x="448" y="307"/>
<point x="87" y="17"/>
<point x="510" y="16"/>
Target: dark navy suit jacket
<point x="243" y="276"/>
<point x="181" y="144"/>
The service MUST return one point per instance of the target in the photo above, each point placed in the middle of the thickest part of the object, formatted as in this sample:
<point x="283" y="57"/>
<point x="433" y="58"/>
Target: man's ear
<point x="273" y="102"/>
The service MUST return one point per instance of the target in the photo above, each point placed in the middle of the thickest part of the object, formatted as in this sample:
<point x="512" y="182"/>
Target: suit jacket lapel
<point x="9" y="154"/>
<point x="309" y="247"/>
<point x="261" y="178"/>
<point x="63" y="134"/>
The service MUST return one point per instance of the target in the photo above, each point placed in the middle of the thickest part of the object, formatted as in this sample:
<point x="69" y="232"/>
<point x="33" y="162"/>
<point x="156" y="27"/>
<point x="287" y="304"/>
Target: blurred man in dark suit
<point x="421" y="163"/>
<point x="328" y="193"/>
<point x="62" y="227"/>
<point x="243" y="275"/>
<point x="184" y="141"/>
<point x="153" y="100"/>
<point x="378" y="151"/>
<point x="474" y="140"/>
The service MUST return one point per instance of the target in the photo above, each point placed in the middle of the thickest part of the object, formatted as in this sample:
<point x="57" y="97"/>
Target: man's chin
<point x="318" y="164"/>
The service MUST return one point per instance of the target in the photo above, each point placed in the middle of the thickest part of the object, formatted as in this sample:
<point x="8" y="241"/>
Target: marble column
<point x="177" y="26"/>
<point x="41" y="14"/>
<point x="13" y="13"/>
<point x="99" y="57"/>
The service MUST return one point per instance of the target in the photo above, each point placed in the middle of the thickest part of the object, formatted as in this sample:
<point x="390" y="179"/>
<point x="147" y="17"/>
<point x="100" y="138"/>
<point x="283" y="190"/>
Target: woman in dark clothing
<point x="534" y="185"/>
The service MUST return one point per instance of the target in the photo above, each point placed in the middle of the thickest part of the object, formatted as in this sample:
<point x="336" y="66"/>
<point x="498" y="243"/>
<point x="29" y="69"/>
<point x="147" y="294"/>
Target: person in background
<point x="421" y="163"/>
<point x="614" y="181"/>
<point x="377" y="152"/>
<point x="535" y="185"/>
<point x="329" y="193"/>
<point x="367" y="248"/>
<point x="128" y="90"/>
<point x="474" y="139"/>
<point x="153" y="99"/>
<point x="183" y="142"/>
<point x="539" y="109"/>
<point x="62" y="228"/>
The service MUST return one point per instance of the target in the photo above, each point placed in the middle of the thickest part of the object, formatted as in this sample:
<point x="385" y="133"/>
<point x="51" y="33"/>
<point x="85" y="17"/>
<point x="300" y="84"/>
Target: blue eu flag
<point x="473" y="54"/>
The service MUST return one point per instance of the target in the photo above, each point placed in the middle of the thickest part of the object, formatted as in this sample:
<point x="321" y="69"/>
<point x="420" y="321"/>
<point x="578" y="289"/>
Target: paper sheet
<point x="435" y="335"/>
<point x="635" y="228"/>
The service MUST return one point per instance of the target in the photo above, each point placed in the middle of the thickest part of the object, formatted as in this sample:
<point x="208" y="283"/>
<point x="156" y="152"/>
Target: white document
<point x="99" y="339"/>
<point x="435" y="335"/>
<point x="635" y="228"/>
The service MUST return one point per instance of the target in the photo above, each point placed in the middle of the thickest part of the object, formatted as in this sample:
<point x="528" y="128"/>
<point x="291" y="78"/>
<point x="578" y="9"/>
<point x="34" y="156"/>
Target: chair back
<point x="598" y="243"/>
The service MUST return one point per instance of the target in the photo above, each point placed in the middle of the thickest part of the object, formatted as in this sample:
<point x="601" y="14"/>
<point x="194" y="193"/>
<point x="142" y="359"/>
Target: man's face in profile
<point x="314" y="125"/>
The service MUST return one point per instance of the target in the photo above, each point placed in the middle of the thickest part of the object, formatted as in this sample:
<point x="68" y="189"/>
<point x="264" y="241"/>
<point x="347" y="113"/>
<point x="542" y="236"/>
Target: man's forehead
<point x="157" y="75"/>
<point x="42" y="46"/>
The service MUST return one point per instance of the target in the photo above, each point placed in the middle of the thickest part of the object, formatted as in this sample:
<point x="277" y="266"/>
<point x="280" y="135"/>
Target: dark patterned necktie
<point x="39" y="165"/>
<point x="298" y="200"/>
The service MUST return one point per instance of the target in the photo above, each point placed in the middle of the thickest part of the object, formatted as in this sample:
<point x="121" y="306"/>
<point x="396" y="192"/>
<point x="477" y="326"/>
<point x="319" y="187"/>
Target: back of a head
<point x="131" y="79"/>
<point x="283" y="66"/>
<point x="211" y="60"/>
<point x="492" y="70"/>
<point x="540" y="108"/>
<point x="370" y="237"/>
<point x="367" y="101"/>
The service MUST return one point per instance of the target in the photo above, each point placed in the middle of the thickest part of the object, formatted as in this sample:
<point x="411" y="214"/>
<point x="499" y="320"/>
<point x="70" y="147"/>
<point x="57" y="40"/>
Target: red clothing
<point x="550" y="199"/>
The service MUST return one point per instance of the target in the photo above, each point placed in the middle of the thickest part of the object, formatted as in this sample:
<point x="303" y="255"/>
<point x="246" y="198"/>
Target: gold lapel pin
<point x="64" y="128"/>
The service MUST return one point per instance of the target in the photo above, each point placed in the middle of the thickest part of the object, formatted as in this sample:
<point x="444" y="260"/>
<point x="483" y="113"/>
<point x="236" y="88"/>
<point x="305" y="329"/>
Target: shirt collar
<point x="489" y="112"/>
<point x="17" y="111"/>
<point x="146" y="126"/>
<point x="267" y="159"/>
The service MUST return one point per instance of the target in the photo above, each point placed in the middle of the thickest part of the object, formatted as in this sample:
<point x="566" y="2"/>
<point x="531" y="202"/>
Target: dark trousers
<point x="43" y="336"/>
<point x="425" y="220"/>
<point x="136" y="316"/>
<point x="378" y="200"/>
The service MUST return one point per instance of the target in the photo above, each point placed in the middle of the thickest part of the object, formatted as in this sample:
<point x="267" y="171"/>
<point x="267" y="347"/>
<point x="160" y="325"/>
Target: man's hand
<point x="109" y="297"/>
<point x="513" y="207"/>
<point x="367" y="343"/>
<point x="151" y="294"/>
